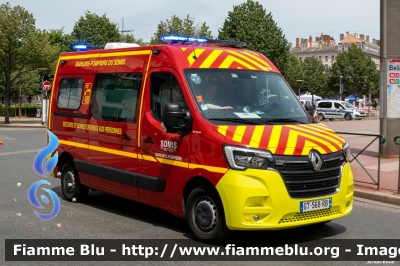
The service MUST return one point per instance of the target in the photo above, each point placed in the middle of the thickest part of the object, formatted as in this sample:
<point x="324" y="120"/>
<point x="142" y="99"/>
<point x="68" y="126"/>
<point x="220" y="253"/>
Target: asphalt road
<point x="108" y="217"/>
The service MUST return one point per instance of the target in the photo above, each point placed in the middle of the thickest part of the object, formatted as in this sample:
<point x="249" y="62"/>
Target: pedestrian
<point x="375" y="104"/>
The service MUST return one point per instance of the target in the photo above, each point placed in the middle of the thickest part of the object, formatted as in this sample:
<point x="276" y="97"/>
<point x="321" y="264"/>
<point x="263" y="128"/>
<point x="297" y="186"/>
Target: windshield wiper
<point x="237" y="120"/>
<point x="282" y="120"/>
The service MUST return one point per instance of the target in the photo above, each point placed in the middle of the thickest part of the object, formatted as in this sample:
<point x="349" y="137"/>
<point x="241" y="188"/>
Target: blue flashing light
<point x="171" y="39"/>
<point x="79" y="46"/>
<point x="85" y="47"/>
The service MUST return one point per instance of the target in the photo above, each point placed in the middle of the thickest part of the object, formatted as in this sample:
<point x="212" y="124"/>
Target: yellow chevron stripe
<point x="326" y="131"/>
<point x="196" y="52"/>
<point x="230" y="59"/>
<point x="274" y="140"/>
<point x="209" y="168"/>
<point x="313" y="131"/>
<point x="329" y="145"/>
<point x="256" y="137"/>
<point x="222" y="130"/>
<point x="238" y="135"/>
<point x="308" y="146"/>
<point x="210" y="59"/>
<point x="241" y="55"/>
<point x="291" y="144"/>
<point x="183" y="48"/>
<point x="264" y="63"/>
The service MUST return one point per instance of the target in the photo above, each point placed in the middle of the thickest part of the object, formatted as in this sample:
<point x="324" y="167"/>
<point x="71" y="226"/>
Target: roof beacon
<point x="174" y="39"/>
<point x="85" y="47"/>
<point x="115" y="45"/>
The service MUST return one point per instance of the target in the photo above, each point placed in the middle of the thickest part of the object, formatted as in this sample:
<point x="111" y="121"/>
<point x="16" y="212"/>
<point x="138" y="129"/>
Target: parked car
<point x="338" y="109"/>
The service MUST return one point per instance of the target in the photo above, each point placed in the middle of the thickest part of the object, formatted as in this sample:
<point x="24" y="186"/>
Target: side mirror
<point x="172" y="118"/>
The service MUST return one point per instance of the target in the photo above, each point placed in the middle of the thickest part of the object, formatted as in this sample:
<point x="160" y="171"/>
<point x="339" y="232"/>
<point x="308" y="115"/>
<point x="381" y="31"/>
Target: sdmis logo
<point x="43" y="165"/>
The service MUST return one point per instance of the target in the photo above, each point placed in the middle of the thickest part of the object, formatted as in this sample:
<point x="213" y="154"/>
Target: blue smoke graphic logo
<point x="43" y="167"/>
<point x="40" y="164"/>
<point x="32" y="198"/>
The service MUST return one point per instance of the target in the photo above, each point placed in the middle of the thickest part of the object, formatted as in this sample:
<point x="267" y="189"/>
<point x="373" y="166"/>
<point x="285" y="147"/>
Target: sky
<point x="296" y="18"/>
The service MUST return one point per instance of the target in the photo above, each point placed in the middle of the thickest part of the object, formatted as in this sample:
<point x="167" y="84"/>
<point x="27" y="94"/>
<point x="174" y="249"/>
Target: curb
<point x="377" y="196"/>
<point x="22" y="126"/>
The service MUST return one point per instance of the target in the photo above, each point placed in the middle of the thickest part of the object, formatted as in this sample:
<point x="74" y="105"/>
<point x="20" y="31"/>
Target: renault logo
<point x="315" y="160"/>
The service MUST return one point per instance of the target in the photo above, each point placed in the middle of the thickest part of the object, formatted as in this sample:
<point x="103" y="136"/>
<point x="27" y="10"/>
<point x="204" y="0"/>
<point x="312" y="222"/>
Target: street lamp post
<point x="299" y="80"/>
<point x="44" y="95"/>
<point x="340" y="88"/>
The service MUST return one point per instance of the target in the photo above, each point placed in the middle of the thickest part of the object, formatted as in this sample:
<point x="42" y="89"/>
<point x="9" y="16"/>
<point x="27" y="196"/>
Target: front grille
<point x="303" y="182"/>
<point x="296" y="217"/>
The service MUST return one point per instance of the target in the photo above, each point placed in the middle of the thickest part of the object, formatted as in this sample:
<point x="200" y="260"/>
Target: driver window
<point x="165" y="89"/>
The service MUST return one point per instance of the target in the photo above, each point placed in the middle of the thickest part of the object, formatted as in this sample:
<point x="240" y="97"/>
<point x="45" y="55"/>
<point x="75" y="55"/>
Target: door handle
<point x="125" y="137"/>
<point x="148" y="141"/>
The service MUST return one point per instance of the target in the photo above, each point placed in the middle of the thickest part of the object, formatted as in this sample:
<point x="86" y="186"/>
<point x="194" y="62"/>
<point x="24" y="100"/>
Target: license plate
<point x="306" y="206"/>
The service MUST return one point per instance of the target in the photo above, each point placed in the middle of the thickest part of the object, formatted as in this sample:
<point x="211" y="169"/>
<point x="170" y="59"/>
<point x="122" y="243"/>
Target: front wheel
<point x="71" y="186"/>
<point x="348" y="117"/>
<point x="205" y="215"/>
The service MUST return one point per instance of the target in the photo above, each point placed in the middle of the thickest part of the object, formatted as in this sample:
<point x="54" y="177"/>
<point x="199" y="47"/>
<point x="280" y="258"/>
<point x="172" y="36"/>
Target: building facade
<point x="324" y="48"/>
<point x="362" y="41"/>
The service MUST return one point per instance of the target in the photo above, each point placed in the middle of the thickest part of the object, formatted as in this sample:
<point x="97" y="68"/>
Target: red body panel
<point x="198" y="154"/>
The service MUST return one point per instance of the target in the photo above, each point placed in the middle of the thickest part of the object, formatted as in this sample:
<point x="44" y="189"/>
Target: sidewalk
<point x="363" y="184"/>
<point x="23" y="122"/>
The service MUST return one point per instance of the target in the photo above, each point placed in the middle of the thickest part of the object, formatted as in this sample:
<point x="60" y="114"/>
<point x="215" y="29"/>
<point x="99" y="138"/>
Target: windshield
<point x="347" y="105"/>
<point x="238" y="96"/>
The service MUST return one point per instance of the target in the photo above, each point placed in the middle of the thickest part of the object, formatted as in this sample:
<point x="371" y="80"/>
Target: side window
<point x="338" y="106"/>
<point x="70" y="93"/>
<point x="165" y="89"/>
<point x="115" y="97"/>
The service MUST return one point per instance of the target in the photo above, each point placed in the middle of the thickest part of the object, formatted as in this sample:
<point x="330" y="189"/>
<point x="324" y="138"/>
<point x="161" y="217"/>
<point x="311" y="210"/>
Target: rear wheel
<point x="320" y="117"/>
<point x="205" y="215"/>
<point x="348" y="117"/>
<point x="71" y="185"/>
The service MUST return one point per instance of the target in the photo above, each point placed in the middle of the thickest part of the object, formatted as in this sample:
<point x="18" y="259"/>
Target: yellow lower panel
<point x="263" y="193"/>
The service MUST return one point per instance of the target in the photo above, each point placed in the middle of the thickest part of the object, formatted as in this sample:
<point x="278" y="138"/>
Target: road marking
<point x="386" y="167"/>
<point x="18" y="152"/>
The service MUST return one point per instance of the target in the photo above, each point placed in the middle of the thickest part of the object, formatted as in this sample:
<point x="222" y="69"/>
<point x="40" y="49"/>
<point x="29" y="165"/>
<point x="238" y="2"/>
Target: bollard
<point x="398" y="179"/>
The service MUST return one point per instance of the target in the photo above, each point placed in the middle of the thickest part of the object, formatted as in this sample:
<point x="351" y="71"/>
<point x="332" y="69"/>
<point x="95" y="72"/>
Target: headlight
<point x="346" y="151"/>
<point x="243" y="158"/>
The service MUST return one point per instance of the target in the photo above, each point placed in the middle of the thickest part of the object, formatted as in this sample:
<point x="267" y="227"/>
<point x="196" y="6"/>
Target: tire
<point x="330" y="119"/>
<point x="70" y="184"/>
<point x="348" y="117"/>
<point x="205" y="215"/>
<point x="320" y="117"/>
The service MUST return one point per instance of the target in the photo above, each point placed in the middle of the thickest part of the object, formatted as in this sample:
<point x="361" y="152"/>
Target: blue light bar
<point x="174" y="39"/>
<point x="85" y="47"/>
<point x="79" y="46"/>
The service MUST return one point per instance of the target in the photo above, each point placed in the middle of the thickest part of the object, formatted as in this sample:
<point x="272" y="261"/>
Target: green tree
<point x="95" y="30"/>
<point x="178" y="26"/>
<point x="64" y="41"/>
<point x="22" y="48"/>
<point x="250" y="22"/>
<point x="359" y="73"/>
<point x="294" y="72"/>
<point x="315" y="77"/>
<point x="129" y="38"/>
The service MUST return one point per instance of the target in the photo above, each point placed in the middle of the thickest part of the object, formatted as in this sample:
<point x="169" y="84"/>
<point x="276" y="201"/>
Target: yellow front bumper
<point x="263" y="193"/>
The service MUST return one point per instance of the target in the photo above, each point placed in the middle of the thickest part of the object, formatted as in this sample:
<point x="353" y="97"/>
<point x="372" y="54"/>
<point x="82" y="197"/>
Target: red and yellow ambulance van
<point x="198" y="128"/>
